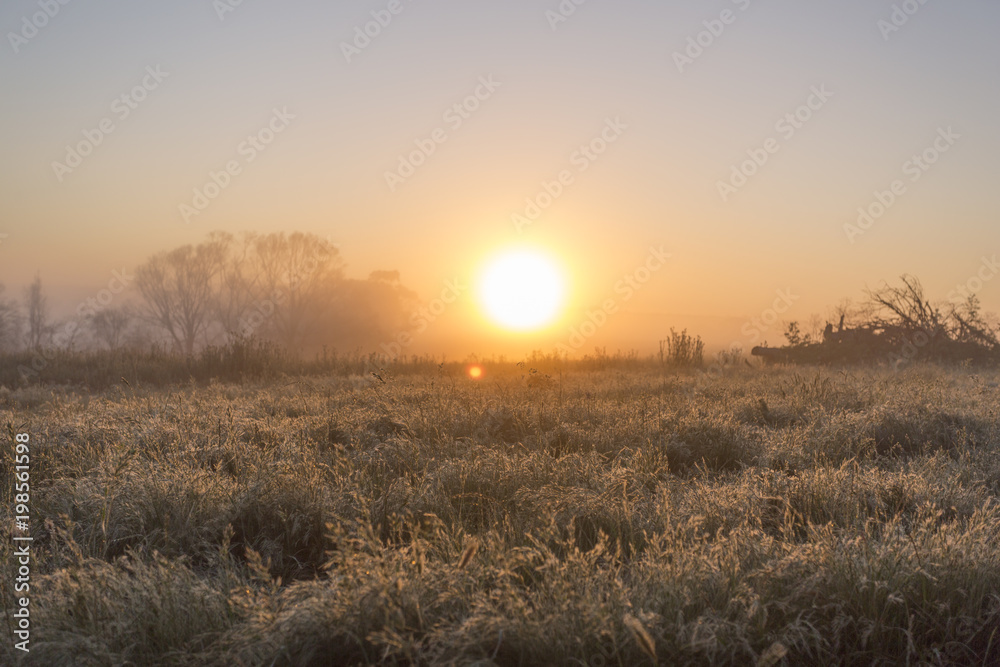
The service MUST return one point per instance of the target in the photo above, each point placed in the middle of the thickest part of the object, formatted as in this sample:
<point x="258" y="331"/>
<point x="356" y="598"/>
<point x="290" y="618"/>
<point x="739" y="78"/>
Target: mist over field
<point x="786" y="157"/>
<point x="558" y="332"/>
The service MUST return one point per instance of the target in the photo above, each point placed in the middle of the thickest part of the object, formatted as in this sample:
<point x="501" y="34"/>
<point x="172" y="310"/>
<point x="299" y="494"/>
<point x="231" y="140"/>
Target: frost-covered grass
<point x="772" y="516"/>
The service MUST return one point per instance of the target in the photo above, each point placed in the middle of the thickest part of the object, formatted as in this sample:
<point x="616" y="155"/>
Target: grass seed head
<point x="641" y="636"/>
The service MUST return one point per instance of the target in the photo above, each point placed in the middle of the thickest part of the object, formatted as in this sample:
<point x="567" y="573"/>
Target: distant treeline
<point x="262" y="307"/>
<point x="287" y="289"/>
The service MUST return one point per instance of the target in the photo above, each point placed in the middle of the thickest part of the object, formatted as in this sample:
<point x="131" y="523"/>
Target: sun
<point x="521" y="290"/>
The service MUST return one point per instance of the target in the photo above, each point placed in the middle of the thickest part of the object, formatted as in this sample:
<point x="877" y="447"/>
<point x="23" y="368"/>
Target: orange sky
<point x="740" y="136"/>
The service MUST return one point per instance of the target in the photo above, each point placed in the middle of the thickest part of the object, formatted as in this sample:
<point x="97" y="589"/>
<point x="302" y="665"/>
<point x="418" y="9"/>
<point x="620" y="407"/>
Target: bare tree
<point x="36" y="306"/>
<point x="971" y="326"/>
<point x="177" y="288"/>
<point x="110" y="326"/>
<point x="375" y="309"/>
<point x="237" y="279"/>
<point x="814" y="327"/>
<point x="287" y="288"/>
<point x="905" y="307"/>
<point x="297" y="276"/>
<point x="10" y="323"/>
<point x="847" y="315"/>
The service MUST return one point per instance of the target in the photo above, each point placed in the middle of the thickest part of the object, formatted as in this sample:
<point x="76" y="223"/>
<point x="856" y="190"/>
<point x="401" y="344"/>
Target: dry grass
<point x="613" y="516"/>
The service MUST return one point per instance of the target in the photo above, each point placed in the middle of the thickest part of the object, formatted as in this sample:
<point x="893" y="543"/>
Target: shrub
<point x="682" y="350"/>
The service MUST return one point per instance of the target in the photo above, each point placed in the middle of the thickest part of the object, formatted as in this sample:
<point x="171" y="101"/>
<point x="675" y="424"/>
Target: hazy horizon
<point x="837" y="108"/>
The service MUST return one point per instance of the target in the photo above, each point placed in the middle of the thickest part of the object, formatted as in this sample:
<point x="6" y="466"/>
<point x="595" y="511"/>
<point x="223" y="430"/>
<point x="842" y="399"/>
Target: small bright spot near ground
<point x="475" y="372"/>
<point x="521" y="290"/>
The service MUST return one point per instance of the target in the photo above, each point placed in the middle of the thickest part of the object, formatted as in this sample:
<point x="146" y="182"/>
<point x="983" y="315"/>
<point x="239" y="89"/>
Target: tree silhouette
<point x="36" y="306"/>
<point x="178" y="291"/>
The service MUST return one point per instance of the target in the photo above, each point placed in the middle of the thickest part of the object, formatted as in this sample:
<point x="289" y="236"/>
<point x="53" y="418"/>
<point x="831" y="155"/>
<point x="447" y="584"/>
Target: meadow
<point x="609" y="512"/>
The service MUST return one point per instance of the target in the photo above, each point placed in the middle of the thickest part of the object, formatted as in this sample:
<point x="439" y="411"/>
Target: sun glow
<point x="521" y="290"/>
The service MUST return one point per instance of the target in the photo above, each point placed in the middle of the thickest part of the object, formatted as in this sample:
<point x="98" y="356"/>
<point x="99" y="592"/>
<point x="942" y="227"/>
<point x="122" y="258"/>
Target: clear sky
<point x="887" y="81"/>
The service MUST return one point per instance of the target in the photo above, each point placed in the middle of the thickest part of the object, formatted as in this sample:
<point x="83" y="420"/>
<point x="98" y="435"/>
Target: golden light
<point x="475" y="372"/>
<point x="521" y="290"/>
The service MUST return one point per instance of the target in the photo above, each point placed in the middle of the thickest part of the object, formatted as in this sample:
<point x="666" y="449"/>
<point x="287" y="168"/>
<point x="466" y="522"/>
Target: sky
<point x="783" y="154"/>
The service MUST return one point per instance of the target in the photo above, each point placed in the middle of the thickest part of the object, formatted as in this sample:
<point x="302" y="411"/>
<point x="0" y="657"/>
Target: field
<point x="620" y="513"/>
